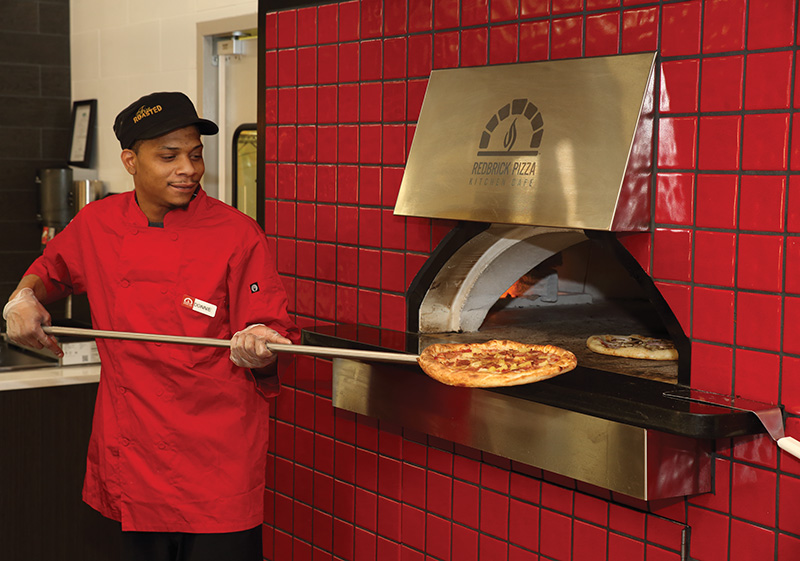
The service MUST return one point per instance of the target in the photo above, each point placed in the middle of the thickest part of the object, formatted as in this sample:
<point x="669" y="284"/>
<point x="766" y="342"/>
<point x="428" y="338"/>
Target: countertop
<point x="24" y="370"/>
<point x="49" y="376"/>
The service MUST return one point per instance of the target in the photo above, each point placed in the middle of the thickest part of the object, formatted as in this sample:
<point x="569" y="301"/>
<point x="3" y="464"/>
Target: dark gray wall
<point x="35" y="121"/>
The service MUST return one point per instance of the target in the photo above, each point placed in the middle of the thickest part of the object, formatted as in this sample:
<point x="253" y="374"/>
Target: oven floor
<point x="568" y="326"/>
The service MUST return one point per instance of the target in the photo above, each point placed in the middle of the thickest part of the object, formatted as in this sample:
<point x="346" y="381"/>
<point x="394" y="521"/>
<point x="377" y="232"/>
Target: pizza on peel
<point x="494" y="363"/>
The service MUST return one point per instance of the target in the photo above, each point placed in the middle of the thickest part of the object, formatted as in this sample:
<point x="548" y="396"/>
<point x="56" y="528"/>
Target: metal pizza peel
<point x="771" y="416"/>
<point x="322" y="352"/>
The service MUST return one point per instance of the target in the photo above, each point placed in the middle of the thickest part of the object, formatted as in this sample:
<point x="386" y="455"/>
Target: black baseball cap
<point x="156" y="114"/>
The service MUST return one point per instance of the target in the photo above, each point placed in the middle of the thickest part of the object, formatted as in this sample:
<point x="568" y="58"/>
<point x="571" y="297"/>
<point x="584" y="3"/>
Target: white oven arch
<point x="480" y="271"/>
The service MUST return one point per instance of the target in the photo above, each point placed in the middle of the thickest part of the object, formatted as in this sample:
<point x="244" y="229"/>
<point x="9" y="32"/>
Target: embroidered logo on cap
<point x="200" y="306"/>
<point x="146" y="112"/>
<point x="254" y="287"/>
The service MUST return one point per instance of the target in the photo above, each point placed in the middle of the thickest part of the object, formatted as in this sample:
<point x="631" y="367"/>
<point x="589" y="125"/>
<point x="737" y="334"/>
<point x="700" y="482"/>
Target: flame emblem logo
<point x="511" y="136"/>
<point x="531" y="122"/>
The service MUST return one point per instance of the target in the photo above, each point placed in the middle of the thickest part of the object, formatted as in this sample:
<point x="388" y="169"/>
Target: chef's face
<point x="166" y="171"/>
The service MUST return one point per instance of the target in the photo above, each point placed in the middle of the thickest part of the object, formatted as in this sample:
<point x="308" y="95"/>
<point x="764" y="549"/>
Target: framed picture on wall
<point x="84" y="114"/>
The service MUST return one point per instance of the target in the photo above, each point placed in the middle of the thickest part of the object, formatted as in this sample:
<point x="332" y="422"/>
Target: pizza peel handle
<point x="772" y="419"/>
<point x="322" y="352"/>
<point x="790" y="445"/>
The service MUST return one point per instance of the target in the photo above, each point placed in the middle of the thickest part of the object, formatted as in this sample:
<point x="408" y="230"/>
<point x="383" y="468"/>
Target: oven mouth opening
<point x="573" y="284"/>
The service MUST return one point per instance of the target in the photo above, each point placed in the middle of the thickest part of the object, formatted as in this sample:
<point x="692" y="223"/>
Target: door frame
<point x="208" y="87"/>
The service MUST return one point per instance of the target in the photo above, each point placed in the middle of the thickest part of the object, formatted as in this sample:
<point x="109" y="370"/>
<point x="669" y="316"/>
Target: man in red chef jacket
<point x="179" y="439"/>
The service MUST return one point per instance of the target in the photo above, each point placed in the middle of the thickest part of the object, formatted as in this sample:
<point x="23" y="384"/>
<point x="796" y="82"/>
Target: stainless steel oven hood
<point x="559" y="143"/>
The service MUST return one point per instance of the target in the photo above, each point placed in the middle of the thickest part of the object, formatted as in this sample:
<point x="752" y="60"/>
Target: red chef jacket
<point x="179" y="437"/>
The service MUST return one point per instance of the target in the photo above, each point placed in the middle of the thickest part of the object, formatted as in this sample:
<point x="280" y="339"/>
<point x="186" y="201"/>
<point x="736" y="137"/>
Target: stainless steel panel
<point x="558" y="143"/>
<point x="634" y="461"/>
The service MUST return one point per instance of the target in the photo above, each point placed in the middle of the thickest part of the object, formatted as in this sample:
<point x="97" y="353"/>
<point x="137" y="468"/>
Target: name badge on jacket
<point x="198" y="305"/>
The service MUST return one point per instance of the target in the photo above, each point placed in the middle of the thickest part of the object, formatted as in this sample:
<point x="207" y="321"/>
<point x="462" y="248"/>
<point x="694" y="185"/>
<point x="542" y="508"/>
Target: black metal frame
<point x="235" y="168"/>
<point x="89" y="144"/>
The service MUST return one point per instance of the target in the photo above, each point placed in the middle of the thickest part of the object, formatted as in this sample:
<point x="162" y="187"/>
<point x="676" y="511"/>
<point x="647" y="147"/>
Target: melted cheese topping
<point x="493" y="361"/>
<point x="629" y="341"/>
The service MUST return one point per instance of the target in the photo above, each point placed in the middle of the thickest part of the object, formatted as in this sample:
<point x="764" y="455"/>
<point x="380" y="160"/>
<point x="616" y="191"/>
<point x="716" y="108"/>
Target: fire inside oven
<point x="544" y="286"/>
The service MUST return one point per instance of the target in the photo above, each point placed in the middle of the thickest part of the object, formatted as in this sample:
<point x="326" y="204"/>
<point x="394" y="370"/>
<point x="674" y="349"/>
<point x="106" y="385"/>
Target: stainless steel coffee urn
<point x="85" y="191"/>
<point x="55" y="188"/>
<point x="61" y="198"/>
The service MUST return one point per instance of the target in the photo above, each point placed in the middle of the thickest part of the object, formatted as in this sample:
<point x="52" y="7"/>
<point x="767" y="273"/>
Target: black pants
<point x="177" y="546"/>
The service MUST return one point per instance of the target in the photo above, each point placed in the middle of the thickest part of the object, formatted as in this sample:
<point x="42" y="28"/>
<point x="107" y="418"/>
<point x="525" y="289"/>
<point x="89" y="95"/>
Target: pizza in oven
<point x="633" y="346"/>
<point x="494" y="363"/>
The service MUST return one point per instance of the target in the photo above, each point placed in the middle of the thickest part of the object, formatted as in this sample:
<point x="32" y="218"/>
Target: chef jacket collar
<point x="175" y="217"/>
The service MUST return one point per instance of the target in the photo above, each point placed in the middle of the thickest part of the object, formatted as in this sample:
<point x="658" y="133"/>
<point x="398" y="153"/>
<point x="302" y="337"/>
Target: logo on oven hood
<point x="515" y="132"/>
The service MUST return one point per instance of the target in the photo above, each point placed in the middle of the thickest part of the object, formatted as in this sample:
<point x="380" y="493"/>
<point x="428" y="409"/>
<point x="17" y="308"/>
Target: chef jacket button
<point x="122" y="389"/>
<point x="125" y="441"/>
<point x="125" y="283"/>
<point x="160" y="392"/>
<point x="162" y="446"/>
<point x="134" y="231"/>
<point x="174" y="236"/>
<point x="164" y="290"/>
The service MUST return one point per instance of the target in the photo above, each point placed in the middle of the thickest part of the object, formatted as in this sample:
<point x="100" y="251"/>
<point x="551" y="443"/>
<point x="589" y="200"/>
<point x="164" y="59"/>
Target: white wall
<point x="123" y="49"/>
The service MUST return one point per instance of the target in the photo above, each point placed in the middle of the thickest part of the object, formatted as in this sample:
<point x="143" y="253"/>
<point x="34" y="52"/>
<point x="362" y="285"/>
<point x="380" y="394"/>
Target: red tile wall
<point x="344" y="86"/>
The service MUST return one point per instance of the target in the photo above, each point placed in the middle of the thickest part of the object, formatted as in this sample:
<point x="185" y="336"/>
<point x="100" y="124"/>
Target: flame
<point x="511" y="136"/>
<point x="520" y="287"/>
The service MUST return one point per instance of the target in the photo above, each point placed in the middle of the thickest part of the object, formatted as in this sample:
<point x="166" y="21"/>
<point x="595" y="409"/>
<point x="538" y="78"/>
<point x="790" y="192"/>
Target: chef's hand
<point x="249" y="346"/>
<point x="25" y="316"/>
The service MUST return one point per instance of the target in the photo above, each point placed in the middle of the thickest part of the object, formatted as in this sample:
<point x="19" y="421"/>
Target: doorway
<point x="227" y="88"/>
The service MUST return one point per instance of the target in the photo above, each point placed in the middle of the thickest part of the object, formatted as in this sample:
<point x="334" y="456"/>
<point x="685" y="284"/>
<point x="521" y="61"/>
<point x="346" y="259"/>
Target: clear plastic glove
<point x="249" y="346"/>
<point x="25" y="316"/>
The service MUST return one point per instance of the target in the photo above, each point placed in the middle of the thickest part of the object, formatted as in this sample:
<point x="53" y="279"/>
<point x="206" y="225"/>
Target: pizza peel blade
<point x="321" y="352"/>
<point x="770" y="416"/>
